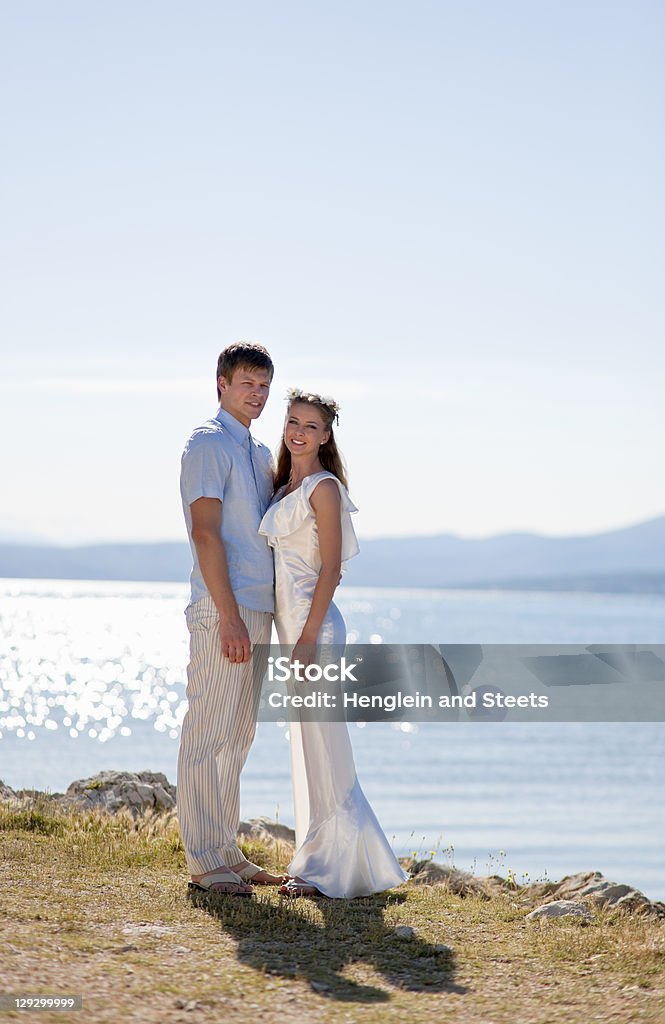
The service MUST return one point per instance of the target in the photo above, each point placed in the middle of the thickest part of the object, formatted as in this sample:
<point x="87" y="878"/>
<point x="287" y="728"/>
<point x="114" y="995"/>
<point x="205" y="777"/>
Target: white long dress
<point x="340" y="846"/>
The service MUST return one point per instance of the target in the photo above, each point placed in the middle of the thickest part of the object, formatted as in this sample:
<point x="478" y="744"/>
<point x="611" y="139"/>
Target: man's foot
<point x="221" y="880"/>
<point x="298" y="887"/>
<point x="258" y="876"/>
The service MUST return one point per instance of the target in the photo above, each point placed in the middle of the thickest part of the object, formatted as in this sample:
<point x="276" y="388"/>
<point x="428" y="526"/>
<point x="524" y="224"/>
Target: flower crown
<point x="298" y="395"/>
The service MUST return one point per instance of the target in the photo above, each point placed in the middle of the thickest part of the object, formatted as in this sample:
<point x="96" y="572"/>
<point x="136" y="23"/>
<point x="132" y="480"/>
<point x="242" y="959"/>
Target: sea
<point x="93" y="676"/>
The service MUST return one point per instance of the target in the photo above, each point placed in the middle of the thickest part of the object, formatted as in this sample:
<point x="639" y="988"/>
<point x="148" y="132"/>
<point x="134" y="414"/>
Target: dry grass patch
<point x="97" y="905"/>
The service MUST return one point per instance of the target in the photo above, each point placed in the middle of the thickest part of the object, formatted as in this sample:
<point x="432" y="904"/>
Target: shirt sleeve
<point x="205" y="469"/>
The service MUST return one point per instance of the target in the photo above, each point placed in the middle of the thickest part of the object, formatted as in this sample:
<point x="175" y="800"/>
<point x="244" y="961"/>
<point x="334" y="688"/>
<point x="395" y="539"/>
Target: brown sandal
<point x="222" y="877"/>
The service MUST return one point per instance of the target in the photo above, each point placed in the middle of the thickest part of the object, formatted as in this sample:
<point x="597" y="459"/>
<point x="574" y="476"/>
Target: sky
<point x="447" y="215"/>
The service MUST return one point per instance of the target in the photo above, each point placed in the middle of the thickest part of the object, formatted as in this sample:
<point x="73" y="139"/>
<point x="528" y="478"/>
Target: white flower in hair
<point x="298" y="395"/>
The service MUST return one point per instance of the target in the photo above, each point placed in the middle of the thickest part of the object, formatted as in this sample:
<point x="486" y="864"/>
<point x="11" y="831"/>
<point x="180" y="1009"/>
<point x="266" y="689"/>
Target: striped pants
<point x="216" y="735"/>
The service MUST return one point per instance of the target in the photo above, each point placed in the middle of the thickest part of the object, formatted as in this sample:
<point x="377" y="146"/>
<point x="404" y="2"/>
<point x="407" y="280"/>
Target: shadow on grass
<point x="288" y="938"/>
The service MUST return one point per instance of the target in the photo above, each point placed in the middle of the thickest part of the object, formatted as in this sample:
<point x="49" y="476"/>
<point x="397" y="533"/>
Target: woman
<point x="341" y="849"/>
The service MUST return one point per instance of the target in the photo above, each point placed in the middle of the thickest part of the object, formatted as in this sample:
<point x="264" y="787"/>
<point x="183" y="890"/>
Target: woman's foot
<point x="299" y="887"/>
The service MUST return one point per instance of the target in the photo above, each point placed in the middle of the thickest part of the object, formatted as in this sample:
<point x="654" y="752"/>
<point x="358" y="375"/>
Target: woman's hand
<point x="304" y="650"/>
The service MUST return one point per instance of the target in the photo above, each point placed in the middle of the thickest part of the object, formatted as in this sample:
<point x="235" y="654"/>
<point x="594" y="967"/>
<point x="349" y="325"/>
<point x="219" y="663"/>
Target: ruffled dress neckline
<point x="292" y="511"/>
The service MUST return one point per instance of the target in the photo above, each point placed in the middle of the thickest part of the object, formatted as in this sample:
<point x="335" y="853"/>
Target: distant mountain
<point x="513" y="559"/>
<point x="631" y="559"/>
<point x="166" y="561"/>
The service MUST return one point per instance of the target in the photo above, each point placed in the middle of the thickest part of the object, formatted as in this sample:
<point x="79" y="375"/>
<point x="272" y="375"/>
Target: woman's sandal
<point x="224" y="878"/>
<point x="295" y="887"/>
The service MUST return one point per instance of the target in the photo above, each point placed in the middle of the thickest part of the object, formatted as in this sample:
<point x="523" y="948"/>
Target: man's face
<point x="245" y="395"/>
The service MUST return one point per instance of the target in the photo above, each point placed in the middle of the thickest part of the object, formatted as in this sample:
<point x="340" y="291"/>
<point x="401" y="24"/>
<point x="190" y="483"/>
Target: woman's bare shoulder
<point x="325" y="493"/>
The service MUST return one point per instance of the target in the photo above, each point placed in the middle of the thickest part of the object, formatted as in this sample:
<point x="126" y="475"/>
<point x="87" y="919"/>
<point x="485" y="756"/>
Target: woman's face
<point x="305" y="430"/>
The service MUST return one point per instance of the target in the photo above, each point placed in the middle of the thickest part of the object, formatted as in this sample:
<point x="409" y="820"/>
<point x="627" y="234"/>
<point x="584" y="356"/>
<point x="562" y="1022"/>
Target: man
<point x="226" y="486"/>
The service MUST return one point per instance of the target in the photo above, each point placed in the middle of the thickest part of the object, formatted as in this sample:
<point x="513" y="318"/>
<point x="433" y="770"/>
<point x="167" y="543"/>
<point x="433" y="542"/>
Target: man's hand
<point x="234" y="638"/>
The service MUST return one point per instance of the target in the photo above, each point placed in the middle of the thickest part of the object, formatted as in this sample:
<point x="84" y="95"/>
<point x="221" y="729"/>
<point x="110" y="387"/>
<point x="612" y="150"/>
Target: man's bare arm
<point x="206" y="535"/>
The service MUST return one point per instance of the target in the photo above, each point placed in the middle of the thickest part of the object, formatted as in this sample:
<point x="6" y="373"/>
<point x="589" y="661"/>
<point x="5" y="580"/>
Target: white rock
<point x="560" y="908"/>
<point x="604" y="893"/>
<point x="146" y="928"/>
<point x="112" y="791"/>
<point x="266" y="830"/>
<point x="404" y="931"/>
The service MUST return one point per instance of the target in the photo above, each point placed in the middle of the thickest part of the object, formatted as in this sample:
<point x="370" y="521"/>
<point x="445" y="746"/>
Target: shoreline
<point x="148" y="794"/>
<point x="551" y="846"/>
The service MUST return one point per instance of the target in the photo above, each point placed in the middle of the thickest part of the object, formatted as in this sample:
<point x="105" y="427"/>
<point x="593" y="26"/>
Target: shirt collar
<point x="238" y="431"/>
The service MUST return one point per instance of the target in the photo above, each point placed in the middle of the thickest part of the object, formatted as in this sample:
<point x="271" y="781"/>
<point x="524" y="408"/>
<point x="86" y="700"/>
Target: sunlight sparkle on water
<point x="91" y="664"/>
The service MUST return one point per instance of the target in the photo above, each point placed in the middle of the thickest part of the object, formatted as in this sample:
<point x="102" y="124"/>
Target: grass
<point x="96" y="905"/>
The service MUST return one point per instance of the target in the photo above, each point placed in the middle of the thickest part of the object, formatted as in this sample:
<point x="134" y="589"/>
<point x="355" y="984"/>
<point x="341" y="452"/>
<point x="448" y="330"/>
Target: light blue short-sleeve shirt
<point x="222" y="460"/>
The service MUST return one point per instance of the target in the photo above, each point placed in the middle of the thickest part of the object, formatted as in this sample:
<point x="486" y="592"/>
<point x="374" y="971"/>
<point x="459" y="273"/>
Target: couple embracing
<point x="268" y="542"/>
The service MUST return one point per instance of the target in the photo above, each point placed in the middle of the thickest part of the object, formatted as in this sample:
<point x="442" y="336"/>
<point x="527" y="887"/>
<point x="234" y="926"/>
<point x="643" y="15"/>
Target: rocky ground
<point x="94" y="901"/>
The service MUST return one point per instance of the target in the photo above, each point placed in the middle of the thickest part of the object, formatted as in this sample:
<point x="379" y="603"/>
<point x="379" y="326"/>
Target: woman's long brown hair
<point x="329" y="454"/>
